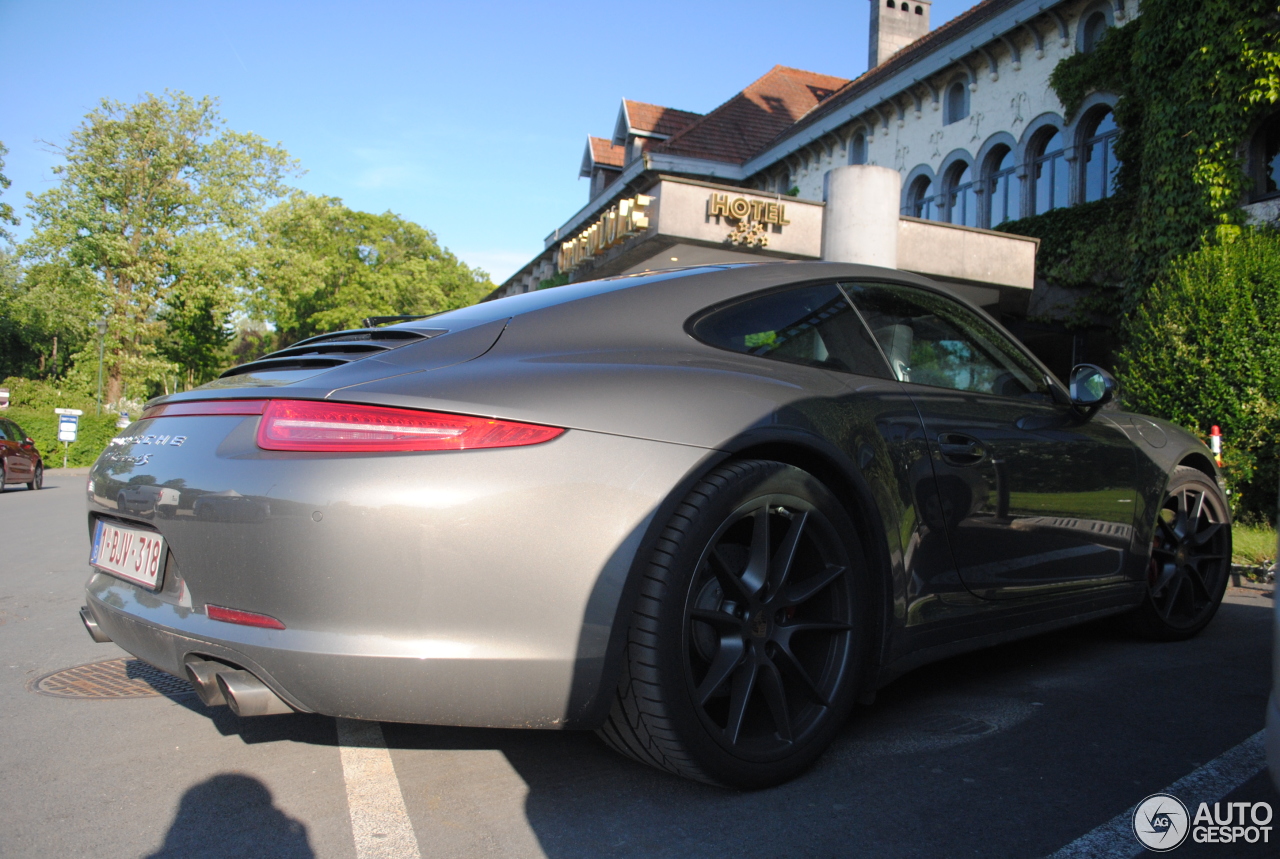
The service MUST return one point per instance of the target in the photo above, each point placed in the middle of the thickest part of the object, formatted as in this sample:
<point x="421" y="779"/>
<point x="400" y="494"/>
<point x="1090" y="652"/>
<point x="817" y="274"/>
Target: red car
<point x="19" y="459"/>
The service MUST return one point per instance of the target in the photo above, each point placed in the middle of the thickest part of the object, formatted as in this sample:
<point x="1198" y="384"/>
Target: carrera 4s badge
<point x="170" y="440"/>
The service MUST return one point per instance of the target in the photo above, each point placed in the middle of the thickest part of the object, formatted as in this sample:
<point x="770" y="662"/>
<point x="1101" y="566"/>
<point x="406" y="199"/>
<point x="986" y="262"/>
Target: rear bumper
<point x="477" y="589"/>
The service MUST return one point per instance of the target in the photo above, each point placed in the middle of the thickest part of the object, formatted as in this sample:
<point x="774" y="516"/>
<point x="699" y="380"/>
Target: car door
<point x="9" y="468"/>
<point x="809" y="336"/>
<point x="1036" y="498"/>
<point x="23" y="459"/>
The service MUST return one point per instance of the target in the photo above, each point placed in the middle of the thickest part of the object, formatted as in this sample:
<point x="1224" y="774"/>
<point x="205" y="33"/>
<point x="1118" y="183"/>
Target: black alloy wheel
<point x="1190" y="559"/>
<point x="769" y="626"/>
<point x="37" y="480"/>
<point x="745" y="646"/>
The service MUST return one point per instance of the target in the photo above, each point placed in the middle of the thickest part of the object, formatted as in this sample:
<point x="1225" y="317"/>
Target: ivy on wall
<point x="1193" y="77"/>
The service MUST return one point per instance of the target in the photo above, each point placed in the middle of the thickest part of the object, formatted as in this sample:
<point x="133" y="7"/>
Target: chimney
<point x="894" y="25"/>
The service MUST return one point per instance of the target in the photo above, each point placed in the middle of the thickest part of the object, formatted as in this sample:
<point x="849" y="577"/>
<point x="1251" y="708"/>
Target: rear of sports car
<point x="286" y="541"/>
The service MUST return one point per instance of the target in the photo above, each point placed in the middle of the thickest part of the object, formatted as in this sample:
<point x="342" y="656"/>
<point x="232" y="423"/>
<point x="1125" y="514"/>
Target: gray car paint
<point x="491" y="587"/>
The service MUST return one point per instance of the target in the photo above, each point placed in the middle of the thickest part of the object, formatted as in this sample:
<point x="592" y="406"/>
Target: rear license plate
<point x="130" y="553"/>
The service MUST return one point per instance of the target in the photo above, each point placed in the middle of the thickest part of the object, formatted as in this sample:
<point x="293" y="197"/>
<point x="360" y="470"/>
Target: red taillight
<point x="206" y="407"/>
<point x="244" y="618"/>
<point x="321" y="426"/>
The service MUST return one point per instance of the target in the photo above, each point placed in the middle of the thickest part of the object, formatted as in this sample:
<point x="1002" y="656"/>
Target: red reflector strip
<point x="322" y="426"/>
<point x="206" y="407"/>
<point x="244" y="618"/>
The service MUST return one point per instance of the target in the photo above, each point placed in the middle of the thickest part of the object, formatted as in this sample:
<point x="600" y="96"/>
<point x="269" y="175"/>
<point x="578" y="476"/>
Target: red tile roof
<point x="741" y="126"/>
<point x="605" y="154"/>
<point x="655" y="119"/>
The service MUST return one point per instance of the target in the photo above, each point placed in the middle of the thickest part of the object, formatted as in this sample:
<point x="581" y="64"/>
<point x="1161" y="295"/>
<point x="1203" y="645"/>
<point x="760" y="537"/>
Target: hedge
<point x="42" y="425"/>
<point x="1204" y="349"/>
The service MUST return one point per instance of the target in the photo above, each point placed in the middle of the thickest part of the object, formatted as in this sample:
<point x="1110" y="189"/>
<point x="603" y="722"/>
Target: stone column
<point x="860" y="221"/>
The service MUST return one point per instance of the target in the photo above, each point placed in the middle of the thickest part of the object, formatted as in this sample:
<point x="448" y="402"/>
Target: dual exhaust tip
<point x="216" y="683"/>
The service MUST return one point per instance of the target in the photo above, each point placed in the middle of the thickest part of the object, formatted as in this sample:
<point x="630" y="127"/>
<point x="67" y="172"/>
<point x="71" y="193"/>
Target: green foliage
<point x="1080" y="247"/>
<point x="322" y="267"/>
<point x="560" y="278"/>
<point x="1204" y="349"/>
<point x="1254" y="545"/>
<point x="149" y="222"/>
<point x="92" y="435"/>
<point x="48" y="394"/>
<point x="7" y="217"/>
<point x="1193" y="77"/>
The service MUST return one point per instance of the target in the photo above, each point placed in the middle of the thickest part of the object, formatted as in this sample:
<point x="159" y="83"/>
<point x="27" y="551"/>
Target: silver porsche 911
<point x="702" y="512"/>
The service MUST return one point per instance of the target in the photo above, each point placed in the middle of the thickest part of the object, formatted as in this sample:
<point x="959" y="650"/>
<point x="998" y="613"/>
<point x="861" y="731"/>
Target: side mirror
<point x="28" y="442"/>
<point x="1091" y="386"/>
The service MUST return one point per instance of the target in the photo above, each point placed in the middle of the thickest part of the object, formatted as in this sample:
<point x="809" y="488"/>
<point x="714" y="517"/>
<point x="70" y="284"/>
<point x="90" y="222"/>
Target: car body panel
<point x="494" y="587"/>
<point x="18" y="460"/>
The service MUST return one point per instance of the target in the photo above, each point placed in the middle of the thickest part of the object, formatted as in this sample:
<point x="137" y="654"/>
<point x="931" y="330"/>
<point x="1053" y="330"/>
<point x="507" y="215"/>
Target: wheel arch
<point x="1200" y="462"/>
<point x="591" y="697"/>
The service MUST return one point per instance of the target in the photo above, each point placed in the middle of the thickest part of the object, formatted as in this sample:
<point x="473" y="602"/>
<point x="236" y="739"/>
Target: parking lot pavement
<point x="1015" y="751"/>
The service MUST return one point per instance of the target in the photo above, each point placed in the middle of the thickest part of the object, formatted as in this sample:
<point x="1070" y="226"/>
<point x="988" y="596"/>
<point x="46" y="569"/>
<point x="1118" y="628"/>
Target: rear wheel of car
<point x="37" y="480"/>
<point x="1190" y="559"/>
<point x="745" y="647"/>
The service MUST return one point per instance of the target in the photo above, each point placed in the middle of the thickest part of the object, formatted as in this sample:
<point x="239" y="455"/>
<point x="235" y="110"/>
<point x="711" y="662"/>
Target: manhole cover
<point x="117" y="678"/>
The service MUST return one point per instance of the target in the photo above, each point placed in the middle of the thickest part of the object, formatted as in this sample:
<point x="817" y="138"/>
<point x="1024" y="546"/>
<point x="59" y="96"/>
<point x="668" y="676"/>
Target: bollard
<point x="1215" y="444"/>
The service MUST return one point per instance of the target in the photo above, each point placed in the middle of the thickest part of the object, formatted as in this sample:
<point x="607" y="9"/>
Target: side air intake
<point x="333" y="350"/>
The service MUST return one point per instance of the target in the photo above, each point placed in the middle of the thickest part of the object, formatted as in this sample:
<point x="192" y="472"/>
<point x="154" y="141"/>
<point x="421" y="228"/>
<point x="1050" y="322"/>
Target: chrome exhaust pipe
<point x="91" y="626"/>
<point x="203" y="676"/>
<point x="249" y="696"/>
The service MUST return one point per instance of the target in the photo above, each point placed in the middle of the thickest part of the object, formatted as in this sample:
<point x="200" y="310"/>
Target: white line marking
<point x="379" y="820"/>
<point x="1115" y="839"/>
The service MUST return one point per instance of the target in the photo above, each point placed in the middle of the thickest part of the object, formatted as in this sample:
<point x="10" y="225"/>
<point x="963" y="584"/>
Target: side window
<point x="6" y="431"/>
<point x="811" y="325"/>
<point x="931" y="340"/>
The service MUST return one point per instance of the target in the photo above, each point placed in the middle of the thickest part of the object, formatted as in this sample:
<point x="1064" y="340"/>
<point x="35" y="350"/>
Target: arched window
<point x="919" y="10"/>
<point x="1264" y="159"/>
<point x="957" y="103"/>
<point x="962" y="196"/>
<point x="1100" y="162"/>
<point x="858" y="149"/>
<point x="784" y="182"/>
<point x="1002" y="186"/>
<point x="1093" y="31"/>
<point x="921" y="203"/>
<point x="890" y="4"/>
<point x="1049" y="173"/>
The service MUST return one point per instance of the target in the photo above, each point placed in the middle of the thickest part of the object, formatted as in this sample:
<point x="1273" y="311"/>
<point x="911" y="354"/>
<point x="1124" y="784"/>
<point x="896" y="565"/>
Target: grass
<point x="1252" y="544"/>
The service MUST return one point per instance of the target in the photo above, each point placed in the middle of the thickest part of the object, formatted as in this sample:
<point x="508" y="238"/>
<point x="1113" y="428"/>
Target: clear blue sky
<point x="469" y="118"/>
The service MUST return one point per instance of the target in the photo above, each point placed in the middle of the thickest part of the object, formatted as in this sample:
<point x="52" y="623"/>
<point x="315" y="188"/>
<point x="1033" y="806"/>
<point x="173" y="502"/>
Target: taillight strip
<point x="192" y="408"/>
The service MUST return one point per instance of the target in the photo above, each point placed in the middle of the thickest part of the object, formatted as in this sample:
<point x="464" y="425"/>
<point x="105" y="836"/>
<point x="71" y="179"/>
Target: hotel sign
<point x="616" y="225"/>
<point x="754" y="218"/>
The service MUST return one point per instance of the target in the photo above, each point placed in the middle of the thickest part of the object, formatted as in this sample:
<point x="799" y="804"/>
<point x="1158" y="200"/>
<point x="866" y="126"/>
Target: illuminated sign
<point x="618" y="223"/>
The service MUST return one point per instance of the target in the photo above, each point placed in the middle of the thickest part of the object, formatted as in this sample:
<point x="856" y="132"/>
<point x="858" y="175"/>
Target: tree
<point x="6" y="210"/>
<point x="150" y="223"/>
<point x="321" y="267"/>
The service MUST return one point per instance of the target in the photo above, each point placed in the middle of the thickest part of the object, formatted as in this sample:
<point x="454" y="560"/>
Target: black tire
<point x="37" y="481"/>
<point x="740" y="672"/>
<point x="1190" y="560"/>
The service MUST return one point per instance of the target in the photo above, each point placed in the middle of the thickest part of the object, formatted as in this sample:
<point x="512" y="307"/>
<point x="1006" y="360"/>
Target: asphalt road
<point x="1013" y="751"/>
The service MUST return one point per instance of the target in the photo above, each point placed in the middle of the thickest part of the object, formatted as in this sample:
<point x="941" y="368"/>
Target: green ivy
<point x="558" y="279"/>
<point x="1193" y="77"/>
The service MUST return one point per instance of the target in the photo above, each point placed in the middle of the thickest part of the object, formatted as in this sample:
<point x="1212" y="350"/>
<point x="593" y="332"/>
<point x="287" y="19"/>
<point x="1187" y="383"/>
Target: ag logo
<point x="1161" y="822"/>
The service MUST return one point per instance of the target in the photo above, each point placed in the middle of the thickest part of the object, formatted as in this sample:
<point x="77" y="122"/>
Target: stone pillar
<point x="860" y="221"/>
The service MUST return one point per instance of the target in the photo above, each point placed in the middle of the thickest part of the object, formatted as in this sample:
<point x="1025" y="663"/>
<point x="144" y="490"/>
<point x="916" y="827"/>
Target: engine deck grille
<point x="333" y="350"/>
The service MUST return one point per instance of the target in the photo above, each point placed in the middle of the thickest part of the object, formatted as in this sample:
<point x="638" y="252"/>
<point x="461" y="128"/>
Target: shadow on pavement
<point x="233" y="815"/>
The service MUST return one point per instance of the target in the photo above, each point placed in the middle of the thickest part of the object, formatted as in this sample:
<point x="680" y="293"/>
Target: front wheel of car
<point x="37" y="480"/>
<point x="1190" y="559"/>
<point x="745" y="647"/>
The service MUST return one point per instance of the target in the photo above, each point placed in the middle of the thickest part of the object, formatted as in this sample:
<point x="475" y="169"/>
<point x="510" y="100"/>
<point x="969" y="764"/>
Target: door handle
<point x="960" y="449"/>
